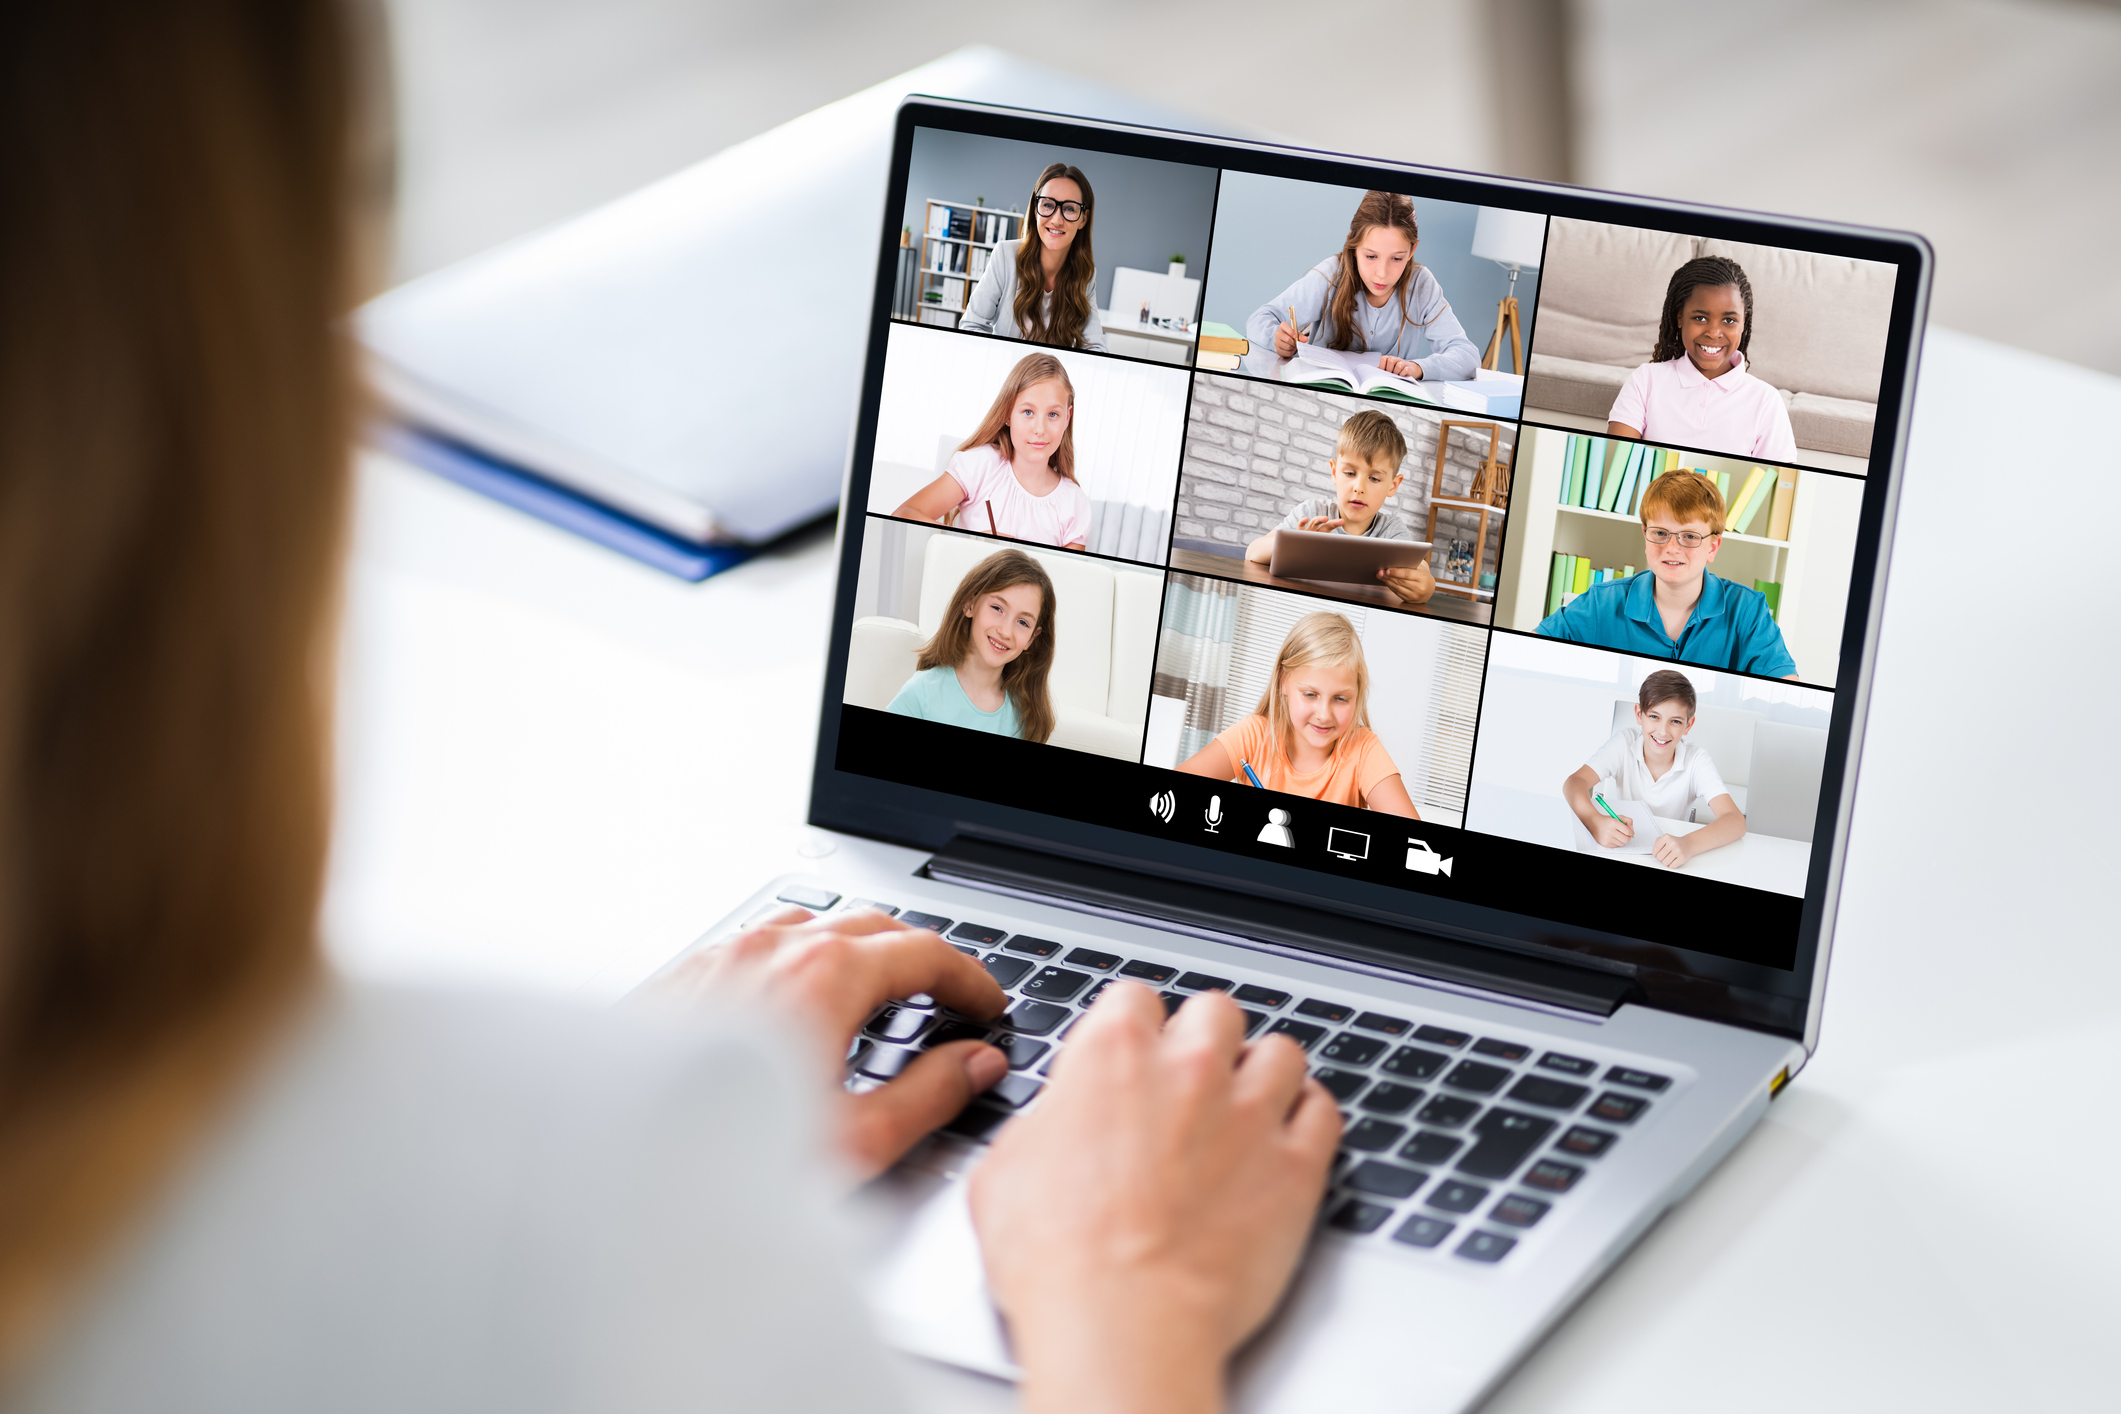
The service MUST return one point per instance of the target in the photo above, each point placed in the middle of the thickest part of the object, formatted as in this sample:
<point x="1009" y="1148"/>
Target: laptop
<point x="1538" y="1048"/>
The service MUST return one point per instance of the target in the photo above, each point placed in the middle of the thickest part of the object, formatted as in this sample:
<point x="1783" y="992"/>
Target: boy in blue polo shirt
<point x="1676" y="609"/>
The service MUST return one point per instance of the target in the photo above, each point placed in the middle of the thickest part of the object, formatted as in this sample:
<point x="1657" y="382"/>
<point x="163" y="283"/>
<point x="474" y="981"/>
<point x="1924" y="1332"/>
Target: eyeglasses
<point x="1071" y="211"/>
<point x="1688" y="539"/>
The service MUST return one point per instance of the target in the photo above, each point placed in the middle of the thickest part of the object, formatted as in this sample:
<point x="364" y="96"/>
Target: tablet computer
<point x="1341" y="559"/>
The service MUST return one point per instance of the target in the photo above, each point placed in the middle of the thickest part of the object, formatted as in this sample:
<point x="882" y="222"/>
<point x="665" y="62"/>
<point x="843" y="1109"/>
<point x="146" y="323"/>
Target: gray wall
<point x="1145" y="211"/>
<point x="1253" y="450"/>
<point x="1270" y="230"/>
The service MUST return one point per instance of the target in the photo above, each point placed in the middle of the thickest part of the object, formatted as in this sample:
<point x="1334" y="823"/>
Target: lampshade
<point x="1511" y="239"/>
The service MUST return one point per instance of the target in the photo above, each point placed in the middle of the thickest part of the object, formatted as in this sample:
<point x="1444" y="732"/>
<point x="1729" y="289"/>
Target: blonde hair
<point x="1323" y="637"/>
<point x="993" y="430"/>
<point x="1374" y="437"/>
<point x="1685" y="496"/>
<point x="1024" y="676"/>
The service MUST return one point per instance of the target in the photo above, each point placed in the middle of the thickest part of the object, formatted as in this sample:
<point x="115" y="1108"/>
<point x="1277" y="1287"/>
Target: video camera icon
<point x="1423" y="859"/>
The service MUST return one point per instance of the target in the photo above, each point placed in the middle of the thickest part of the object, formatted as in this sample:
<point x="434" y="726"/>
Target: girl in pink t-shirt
<point x="1015" y="475"/>
<point x="1695" y="391"/>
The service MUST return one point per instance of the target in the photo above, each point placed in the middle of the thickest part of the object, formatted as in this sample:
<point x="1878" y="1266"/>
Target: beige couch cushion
<point x="1819" y="321"/>
<point x="1572" y="385"/>
<point x="1840" y="425"/>
<point x="1602" y="289"/>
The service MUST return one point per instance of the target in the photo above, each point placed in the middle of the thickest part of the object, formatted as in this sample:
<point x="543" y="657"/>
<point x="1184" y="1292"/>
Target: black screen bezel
<point x="1701" y="983"/>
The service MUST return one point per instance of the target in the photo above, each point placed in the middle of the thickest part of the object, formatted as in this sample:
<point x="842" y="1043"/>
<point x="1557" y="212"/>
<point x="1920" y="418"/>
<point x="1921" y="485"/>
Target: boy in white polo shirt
<point x="1653" y="762"/>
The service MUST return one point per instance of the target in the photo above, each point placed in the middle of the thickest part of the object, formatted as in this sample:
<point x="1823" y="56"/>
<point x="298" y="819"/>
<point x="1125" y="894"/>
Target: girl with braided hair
<point x="1696" y="390"/>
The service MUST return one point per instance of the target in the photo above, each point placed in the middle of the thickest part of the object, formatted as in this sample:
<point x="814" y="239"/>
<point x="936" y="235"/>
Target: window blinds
<point x="1454" y="715"/>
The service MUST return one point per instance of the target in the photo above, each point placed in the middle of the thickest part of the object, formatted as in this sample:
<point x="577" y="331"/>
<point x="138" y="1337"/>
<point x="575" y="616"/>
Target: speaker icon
<point x="1163" y="806"/>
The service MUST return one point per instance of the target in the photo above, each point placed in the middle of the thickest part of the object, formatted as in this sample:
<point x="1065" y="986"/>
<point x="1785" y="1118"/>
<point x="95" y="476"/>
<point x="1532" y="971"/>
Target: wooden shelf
<point x="1729" y="535"/>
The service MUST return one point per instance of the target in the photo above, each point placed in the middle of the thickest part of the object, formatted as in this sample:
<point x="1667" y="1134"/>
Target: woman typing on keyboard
<point x="230" y="1181"/>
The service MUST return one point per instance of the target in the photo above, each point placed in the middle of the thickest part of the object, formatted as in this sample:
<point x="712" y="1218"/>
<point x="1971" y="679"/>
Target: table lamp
<point x="1513" y="240"/>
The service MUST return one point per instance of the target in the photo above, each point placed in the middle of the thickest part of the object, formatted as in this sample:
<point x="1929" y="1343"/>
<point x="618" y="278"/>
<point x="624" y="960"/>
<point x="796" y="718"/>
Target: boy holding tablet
<point x="1676" y="609"/>
<point x="1365" y="473"/>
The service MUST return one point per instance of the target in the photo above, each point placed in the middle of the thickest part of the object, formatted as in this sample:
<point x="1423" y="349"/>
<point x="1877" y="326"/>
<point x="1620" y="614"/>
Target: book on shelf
<point x="1572" y="474"/>
<point x="1222" y="339"/>
<point x="1624" y="503"/>
<point x="1778" y="521"/>
<point x="1609" y="494"/>
<point x="1742" y="508"/>
<point x="1560" y="574"/>
<point x="954" y="293"/>
<point x="1593" y="473"/>
<point x="1583" y="575"/>
<point x="1773" y="590"/>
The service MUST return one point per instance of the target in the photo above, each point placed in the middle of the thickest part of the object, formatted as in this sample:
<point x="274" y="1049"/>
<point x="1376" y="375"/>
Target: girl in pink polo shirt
<point x="1695" y="391"/>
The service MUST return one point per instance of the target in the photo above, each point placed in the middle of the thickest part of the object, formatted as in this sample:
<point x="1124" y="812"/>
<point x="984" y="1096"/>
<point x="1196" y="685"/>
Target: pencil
<point x="1605" y="807"/>
<point x="1295" y="327"/>
<point x="1254" y="779"/>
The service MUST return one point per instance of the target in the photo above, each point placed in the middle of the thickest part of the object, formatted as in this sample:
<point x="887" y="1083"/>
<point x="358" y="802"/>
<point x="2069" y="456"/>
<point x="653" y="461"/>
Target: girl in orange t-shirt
<point x="1310" y="734"/>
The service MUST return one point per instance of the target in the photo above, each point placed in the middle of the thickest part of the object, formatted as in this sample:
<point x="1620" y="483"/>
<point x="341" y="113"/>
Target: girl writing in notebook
<point x="1696" y="390"/>
<point x="1372" y="297"/>
<point x="986" y="666"/>
<point x="1310" y="734"/>
<point x="1044" y="291"/>
<point x="1015" y="475"/>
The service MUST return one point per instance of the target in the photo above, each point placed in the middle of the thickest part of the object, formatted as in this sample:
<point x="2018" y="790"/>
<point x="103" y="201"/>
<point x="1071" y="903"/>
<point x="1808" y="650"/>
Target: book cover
<point x="1221" y="338"/>
<point x="1773" y="590"/>
<point x="1594" y="475"/>
<point x="1609" y="493"/>
<point x="1572" y="478"/>
<point x="1583" y="574"/>
<point x="1757" y="513"/>
<point x="1778" y="522"/>
<point x="1557" y="580"/>
<point x="1742" y="509"/>
<point x="1624" y="502"/>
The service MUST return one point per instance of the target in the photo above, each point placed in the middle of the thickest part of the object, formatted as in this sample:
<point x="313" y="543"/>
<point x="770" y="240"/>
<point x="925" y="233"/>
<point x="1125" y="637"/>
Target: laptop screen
<point x="1490" y="558"/>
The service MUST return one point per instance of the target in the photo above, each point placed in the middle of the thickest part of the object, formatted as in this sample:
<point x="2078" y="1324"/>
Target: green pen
<point x="1605" y="807"/>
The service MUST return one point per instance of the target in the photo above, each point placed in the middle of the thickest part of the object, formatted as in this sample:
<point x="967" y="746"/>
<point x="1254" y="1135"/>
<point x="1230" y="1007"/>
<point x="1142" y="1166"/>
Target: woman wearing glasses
<point x="1047" y="294"/>
<point x="1676" y="609"/>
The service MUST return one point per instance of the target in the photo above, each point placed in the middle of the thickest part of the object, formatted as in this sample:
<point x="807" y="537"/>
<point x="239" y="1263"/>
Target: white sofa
<point x="1104" y="646"/>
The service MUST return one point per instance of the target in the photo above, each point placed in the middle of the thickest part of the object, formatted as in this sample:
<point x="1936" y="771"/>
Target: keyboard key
<point x="1384" y="1180"/>
<point x="919" y="1001"/>
<point x="1035" y="1018"/>
<point x="1262" y="996"/>
<point x="1439" y="1036"/>
<point x="1448" y="1111"/>
<point x="1156" y="972"/>
<point x="1501" y="1141"/>
<point x="978" y="935"/>
<point x="1551" y="1176"/>
<point x="1350" y="1049"/>
<point x="883" y="1062"/>
<point x="953" y="1030"/>
<point x="1486" y="1246"/>
<point x="1172" y="1002"/>
<point x="1095" y="992"/>
<point x="1008" y="971"/>
<point x="1015" y="1091"/>
<point x="1372" y="1136"/>
<point x="1413" y="1063"/>
<point x="1303" y="1033"/>
<point x="804" y="896"/>
<point x="977" y="1122"/>
<point x="1617" y="1109"/>
<point x="1389" y="1025"/>
<point x="1342" y="1085"/>
<point x="1429" y="1147"/>
<point x="1456" y="1196"/>
<point x="1358" y="1216"/>
<point x="1392" y="1099"/>
<point x="1585" y="1142"/>
<point x="1091" y="958"/>
<point x="1021" y="1050"/>
<point x="1325" y="1011"/>
<point x="1423" y="1231"/>
<point x="1202" y="982"/>
<point x="1567" y="1065"/>
<point x="967" y="949"/>
<point x="1549" y="1094"/>
<point x="1519" y="1211"/>
<point x="1037" y="947"/>
<point x="1501" y="1050"/>
<point x="897" y="1023"/>
<point x="1253" y="1021"/>
<point x="889" y="910"/>
<point x="1055" y="984"/>
<point x="933" y="922"/>
<point x="1639" y="1079"/>
<point x="1476" y="1076"/>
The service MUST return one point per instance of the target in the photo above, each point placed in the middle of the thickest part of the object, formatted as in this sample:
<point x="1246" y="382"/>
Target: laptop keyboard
<point x="1453" y="1141"/>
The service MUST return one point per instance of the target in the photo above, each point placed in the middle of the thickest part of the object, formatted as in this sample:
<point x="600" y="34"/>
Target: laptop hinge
<point x="1376" y="946"/>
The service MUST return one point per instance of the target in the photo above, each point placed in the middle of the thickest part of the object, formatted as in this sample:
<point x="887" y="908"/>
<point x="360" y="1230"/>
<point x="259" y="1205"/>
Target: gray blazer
<point x="994" y="302"/>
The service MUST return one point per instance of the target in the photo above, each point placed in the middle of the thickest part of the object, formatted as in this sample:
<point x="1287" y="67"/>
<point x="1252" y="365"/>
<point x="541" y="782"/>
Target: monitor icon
<point x="1348" y="844"/>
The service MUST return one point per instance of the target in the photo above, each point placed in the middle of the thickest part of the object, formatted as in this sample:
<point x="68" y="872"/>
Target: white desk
<point x="558" y="767"/>
<point x="1126" y="334"/>
<point x="1752" y="860"/>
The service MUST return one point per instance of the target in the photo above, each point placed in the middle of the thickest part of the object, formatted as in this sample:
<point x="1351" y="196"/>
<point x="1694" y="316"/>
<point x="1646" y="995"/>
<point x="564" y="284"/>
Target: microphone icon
<point x="1214" y="812"/>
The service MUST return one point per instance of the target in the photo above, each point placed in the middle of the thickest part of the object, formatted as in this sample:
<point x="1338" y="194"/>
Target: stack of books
<point x="1604" y="474"/>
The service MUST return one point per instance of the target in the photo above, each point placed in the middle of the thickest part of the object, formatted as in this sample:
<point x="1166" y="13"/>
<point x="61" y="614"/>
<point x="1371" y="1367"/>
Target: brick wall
<point x="1254" y="449"/>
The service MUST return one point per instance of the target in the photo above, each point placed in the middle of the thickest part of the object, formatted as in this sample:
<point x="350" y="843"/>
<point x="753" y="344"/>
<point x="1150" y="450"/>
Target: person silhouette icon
<point x="1276" y="830"/>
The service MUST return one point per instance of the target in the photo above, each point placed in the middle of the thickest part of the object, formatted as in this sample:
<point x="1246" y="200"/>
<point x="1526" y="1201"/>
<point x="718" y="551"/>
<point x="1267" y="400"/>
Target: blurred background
<point x="1990" y="126"/>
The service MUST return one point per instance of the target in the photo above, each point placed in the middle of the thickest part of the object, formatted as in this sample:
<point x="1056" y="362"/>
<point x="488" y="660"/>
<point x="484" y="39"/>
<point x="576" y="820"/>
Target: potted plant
<point x="1178" y="266"/>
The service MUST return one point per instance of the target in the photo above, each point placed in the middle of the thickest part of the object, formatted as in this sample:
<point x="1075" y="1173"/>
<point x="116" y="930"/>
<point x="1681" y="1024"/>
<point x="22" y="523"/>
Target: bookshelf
<point x="957" y="238"/>
<point x="1489" y="497"/>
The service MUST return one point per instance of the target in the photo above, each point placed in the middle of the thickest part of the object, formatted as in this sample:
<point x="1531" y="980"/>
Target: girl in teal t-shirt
<point x="986" y="666"/>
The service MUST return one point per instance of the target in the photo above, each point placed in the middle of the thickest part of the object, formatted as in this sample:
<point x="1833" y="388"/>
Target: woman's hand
<point x="1144" y="1218"/>
<point x="1405" y="368"/>
<point x="1286" y="337"/>
<point x="830" y="976"/>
